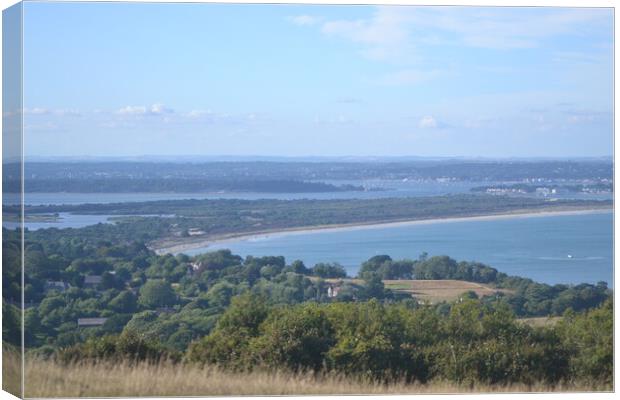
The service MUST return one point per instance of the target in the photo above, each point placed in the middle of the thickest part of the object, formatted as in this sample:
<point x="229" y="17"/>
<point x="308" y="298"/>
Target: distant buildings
<point x="86" y="322"/>
<point x="56" y="285"/>
<point x="333" y="289"/>
<point x="92" y="280"/>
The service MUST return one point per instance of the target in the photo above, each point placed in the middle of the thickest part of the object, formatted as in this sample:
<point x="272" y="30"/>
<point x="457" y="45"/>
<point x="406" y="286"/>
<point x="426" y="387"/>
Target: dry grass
<point x="432" y="291"/>
<point x="48" y="379"/>
<point x="439" y="290"/>
<point x="11" y="371"/>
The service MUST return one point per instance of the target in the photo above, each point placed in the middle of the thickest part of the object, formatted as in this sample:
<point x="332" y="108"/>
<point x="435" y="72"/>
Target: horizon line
<point x="231" y="157"/>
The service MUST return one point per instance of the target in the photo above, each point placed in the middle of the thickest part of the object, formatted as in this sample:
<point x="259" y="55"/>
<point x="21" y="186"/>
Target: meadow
<point x="46" y="378"/>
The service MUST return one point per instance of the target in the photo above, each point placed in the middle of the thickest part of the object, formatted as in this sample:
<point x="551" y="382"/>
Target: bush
<point x="127" y="346"/>
<point x="228" y="344"/>
<point x="295" y="338"/>
<point x="588" y="338"/>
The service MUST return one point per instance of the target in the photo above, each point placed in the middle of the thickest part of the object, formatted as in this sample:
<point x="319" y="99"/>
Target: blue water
<point x="71" y="220"/>
<point x="534" y="247"/>
<point x="65" y="220"/>
<point x="390" y="188"/>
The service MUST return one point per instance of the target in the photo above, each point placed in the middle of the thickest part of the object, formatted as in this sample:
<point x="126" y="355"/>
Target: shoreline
<point x="176" y="248"/>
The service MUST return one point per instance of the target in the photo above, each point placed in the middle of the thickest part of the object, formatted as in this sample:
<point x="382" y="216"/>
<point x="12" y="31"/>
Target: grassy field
<point x="48" y="379"/>
<point x="432" y="291"/>
<point x="439" y="290"/>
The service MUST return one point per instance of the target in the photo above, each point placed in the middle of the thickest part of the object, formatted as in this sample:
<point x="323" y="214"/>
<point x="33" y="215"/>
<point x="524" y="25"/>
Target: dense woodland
<point x="275" y="314"/>
<point x="323" y="169"/>
<point x="284" y="175"/>
<point x="102" y="292"/>
<point x="193" y="185"/>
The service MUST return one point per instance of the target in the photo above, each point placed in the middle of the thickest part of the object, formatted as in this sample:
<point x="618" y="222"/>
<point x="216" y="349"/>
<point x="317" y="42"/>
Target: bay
<point x="553" y="249"/>
<point x="64" y="220"/>
<point x="385" y="189"/>
<point x="71" y="220"/>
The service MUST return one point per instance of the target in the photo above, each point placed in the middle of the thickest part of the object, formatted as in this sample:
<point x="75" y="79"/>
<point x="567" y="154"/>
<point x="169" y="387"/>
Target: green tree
<point x="228" y="344"/>
<point x="327" y="270"/>
<point x="589" y="339"/>
<point x="157" y="293"/>
<point x="295" y="338"/>
<point x="125" y="302"/>
<point x="373" y="286"/>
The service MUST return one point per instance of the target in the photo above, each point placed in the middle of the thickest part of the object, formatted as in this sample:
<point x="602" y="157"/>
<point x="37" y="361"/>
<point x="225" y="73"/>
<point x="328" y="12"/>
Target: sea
<point x="551" y="249"/>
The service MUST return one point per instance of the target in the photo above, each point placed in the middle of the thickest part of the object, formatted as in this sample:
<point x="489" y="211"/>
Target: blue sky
<point x="114" y="79"/>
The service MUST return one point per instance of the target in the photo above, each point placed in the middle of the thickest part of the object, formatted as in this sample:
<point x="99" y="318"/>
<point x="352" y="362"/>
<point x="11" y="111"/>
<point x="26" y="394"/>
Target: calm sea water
<point x="537" y="247"/>
<point x="551" y="249"/>
<point x="390" y="188"/>
<point x="65" y="220"/>
<point x="70" y="220"/>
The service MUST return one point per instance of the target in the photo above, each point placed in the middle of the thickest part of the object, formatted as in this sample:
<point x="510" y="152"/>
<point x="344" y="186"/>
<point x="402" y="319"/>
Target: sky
<point x="127" y="79"/>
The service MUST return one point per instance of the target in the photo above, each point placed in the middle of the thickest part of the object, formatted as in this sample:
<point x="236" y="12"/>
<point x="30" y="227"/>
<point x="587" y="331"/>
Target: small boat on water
<point x="569" y="256"/>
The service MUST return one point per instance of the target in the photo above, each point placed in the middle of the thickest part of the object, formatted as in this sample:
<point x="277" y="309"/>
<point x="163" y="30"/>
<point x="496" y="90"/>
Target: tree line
<point x="177" y="299"/>
<point x="474" y="343"/>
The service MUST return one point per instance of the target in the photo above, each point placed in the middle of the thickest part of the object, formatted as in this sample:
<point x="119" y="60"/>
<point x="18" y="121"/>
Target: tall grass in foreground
<point x="50" y="379"/>
<point x="11" y="370"/>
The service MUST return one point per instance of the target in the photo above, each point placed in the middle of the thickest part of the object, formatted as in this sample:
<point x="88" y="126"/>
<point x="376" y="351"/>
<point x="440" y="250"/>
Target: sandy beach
<point x="205" y="242"/>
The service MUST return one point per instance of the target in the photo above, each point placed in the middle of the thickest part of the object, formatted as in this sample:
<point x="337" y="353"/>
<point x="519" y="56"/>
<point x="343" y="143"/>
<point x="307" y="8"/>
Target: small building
<point x="193" y="268"/>
<point x="92" y="280"/>
<point x="333" y="290"/>
<point x="85" y="322"/>
<point x="56" y="285"/>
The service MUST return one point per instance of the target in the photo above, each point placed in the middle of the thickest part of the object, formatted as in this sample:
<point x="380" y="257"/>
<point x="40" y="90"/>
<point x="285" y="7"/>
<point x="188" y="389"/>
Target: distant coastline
<point x="184" y="244"/>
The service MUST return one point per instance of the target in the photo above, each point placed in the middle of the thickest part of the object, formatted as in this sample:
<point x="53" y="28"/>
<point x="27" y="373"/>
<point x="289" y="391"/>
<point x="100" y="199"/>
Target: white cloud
<point x="398" y="32"/>
<point x="48" y="111"/>
<point x="586" y="116"/>
<point x="68" y="112"/>
<point x="305" y="20"/>
<point x="158" y="109"/>
<point x="46" y="126"/>
<point x="132" y="110"/>
<point x="409" y="77"/>
<point x="511" y="28"/>
<point x="428" y="122"/>
<point x="198" y="113"/>
<point x="36" y="111"/>
<point x="155" y="109"/>
<point x="385" y="35"/>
